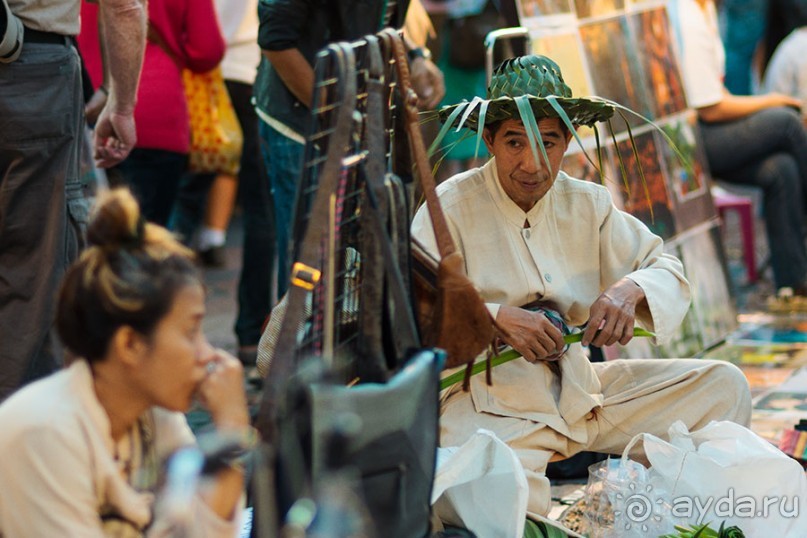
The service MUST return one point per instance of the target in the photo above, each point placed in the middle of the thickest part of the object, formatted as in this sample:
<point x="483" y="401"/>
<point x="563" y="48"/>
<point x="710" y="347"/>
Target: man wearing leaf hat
<point x="529" y="232"/>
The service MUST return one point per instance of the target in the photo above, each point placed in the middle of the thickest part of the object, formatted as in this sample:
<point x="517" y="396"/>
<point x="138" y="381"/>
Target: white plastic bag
<point x="621" y="503"/>
<point x="725" y="472"/>
<point x="481" y="486"/>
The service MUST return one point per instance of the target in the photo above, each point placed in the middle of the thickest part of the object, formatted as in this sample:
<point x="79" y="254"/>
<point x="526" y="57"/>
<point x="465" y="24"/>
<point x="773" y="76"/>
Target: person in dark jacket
<point x="291" y="33"/>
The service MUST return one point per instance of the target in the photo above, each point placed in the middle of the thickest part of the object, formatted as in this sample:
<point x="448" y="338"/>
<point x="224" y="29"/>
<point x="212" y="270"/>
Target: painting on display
<point x="614" y="67"/>
<point x="665" y="89"/>
<point x="688" y="338"/>
<point x="686" y="172"/>
<point x="563" y="46"/>
<point x="585" y="166"/>
<point x="646" y="195"/>
<point x="782" y="401"/>
<point x="597" y="8"/>
<point x="531" y="11"/>
<point x="705" y="268"/>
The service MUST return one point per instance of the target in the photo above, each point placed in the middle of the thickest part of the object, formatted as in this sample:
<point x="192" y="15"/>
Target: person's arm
<point x="124" y="24"/>
<point x="279" y="34"/>
<point x="734" y="107"/>
<point x="640" y="282"/>
<point x="427" y="81"/>
<point x="98" y="100"/>
<point x="295" y="72"/>
<point x="222" y="393"/>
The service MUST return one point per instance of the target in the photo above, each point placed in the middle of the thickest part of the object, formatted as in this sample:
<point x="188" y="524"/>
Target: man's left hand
<point x="115" y="136"/>
<point x="613" y="314"/>
<point x="427" y="81"/>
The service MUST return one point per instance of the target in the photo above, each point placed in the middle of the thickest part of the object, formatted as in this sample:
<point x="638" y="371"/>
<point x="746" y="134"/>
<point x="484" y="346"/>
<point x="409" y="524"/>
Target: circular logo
<point x="636" y="508"/>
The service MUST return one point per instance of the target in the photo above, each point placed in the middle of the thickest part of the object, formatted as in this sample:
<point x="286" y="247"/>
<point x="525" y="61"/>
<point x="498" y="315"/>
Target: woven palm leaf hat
<point x="530" y="87"/>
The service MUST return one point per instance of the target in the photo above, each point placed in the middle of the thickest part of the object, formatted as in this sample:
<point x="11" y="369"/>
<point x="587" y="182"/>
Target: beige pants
<point x="639" y="396"/>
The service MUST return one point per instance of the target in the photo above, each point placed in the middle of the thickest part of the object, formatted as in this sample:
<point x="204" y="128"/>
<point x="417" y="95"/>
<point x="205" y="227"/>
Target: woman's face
<point x="174" y="363"/>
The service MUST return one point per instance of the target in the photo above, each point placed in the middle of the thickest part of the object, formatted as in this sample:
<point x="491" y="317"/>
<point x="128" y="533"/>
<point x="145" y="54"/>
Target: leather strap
<point x="378" y="206"/>
<point x="403" y="310"/>
<point x="305" y="273"/>
<point x="445" y="243"/>
<point x="371" y="360"/>
<point x="383" y="209"/>
<point x="375" y="124"/>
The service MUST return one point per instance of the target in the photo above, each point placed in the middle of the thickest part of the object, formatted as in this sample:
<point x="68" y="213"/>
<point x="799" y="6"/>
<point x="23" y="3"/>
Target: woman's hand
<point x="780" y="99"/>
<point x="222" y="392"/>
<point x="529" y="333"/>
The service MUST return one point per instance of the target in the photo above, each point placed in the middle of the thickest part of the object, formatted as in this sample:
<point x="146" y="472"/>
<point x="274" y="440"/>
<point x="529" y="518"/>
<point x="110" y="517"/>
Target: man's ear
<point x="487" y="136"/>
<point x="128" y="345"/>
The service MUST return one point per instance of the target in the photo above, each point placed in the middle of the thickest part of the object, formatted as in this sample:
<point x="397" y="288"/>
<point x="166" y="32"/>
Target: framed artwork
<point x="685" y="167"/>
<point x="597" y="8"/>
<point x="579" y="165"/>
<point x="646" y="197"/>
<point x="564" y="47"/>
<point x="535" y="12"/>
<point x="614" y="65"/>
<point x="712" y="299"/>
<point x="782" y="401"/>
<point x="686" y="171"/>
<point x="661" y="73"/>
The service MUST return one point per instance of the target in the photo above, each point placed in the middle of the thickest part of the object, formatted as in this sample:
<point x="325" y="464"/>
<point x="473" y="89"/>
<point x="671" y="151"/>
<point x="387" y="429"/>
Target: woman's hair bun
<point x="130" y="275"/>
<point x="116" y="221"/>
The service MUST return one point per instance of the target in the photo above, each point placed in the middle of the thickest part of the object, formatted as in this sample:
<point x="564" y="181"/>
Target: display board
<point x="626" y="51"/>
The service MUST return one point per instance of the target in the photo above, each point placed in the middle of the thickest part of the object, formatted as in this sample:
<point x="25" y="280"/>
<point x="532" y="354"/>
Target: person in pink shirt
<point x="182" y="34"/>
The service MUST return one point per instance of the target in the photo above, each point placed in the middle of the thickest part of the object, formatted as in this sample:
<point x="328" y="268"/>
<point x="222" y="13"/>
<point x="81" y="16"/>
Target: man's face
<point x="524" y="179"/>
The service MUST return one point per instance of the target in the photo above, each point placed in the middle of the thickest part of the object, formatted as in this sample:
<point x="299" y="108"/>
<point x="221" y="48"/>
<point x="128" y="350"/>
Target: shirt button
<point x="548" y="277"/>
<point x="526" y="234"/>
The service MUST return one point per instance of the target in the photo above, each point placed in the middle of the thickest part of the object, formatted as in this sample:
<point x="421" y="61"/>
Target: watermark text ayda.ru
<point x="731" y="506"/>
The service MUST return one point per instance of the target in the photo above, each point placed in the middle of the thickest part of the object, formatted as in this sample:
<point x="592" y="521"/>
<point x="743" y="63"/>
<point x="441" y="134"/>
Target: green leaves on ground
<point x="542" y="530"/>
<point x="705" y="531"/>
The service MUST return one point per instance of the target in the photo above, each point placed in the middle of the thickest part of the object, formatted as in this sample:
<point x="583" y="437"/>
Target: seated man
<point x="530" y="232"/>
<point x="787" y="71"/>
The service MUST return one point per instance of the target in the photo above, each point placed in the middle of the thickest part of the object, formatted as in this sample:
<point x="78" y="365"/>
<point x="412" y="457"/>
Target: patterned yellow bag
<point x="216" y="137"/>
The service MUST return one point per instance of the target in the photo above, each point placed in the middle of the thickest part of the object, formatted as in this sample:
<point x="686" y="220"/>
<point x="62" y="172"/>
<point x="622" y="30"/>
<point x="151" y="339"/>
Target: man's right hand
<point x="115" y="137"/>
<point x="529" y="333"/>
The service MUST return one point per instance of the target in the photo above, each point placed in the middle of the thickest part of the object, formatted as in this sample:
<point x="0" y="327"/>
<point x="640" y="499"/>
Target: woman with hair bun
<point x="82" y="448"/>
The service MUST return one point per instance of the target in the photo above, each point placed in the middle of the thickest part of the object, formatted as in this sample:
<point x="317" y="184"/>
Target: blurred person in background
<point x="182" y="34"/>
<point x="756" y="140"/>
<point x="784" y="16"/>
<point x="290" y="35"/>
<point x="787" y="70"/>
<point x="216" y="195"/>
<point x="83" y="448"/>
<point x="743" y="27"/>
<point x="42" y="204"/>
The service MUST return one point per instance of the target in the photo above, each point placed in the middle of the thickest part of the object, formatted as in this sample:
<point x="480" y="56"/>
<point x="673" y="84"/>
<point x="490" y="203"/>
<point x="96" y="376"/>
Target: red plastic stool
<point x="725" y="201"/>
